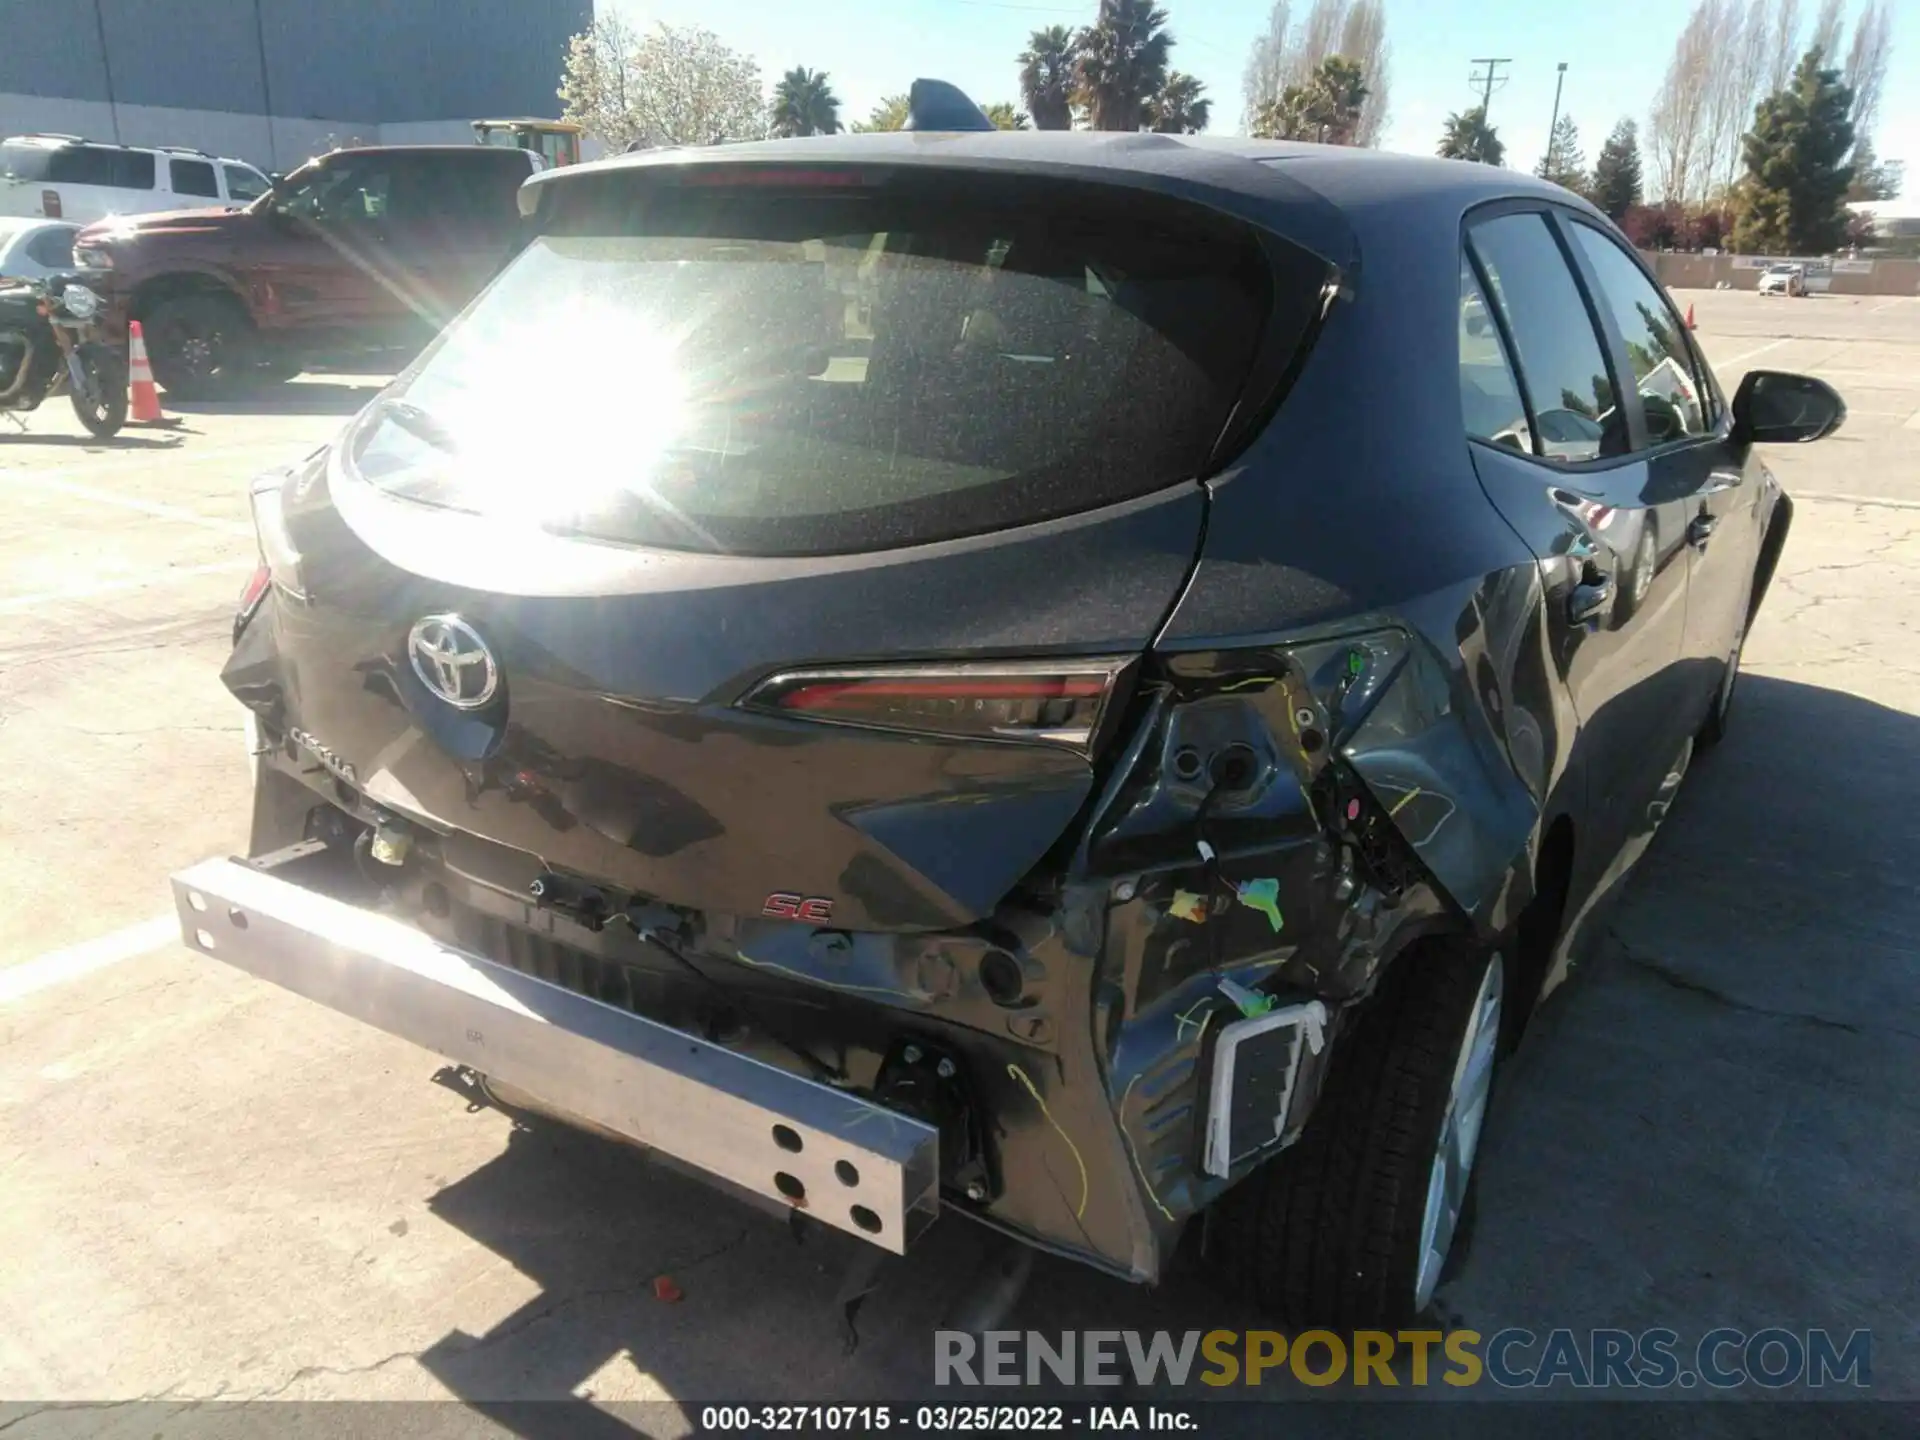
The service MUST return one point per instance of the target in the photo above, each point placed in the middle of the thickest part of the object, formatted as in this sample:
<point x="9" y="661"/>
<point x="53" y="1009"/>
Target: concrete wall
<point x="274" y="81"/>
<point x="1743" y="272"/>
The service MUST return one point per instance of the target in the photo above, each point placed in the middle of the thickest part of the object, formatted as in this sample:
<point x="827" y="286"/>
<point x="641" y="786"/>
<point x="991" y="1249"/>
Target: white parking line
<point x="47" y="971"/>
<point x="127" y="502"/>
<point x="1880" y="500"/>
<point x="15" y="603"/>
<point x="1897" y="300"/>
<point x="1748" y="355"/>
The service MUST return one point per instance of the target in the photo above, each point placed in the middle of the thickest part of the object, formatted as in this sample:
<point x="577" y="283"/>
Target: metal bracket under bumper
<point x="847" y="1162"/>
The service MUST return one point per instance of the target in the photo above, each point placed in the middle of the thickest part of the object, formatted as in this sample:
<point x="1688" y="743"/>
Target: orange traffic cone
<point x="1690" y="324"/>
<point x="144" y="399"/>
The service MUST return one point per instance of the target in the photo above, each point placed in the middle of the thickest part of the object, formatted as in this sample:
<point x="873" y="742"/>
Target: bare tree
<point x="1826" y="31"/>
<point x="1747" y="75"/>
<point x="1783" y="49"/>
<point x="1288" y="56"/>
<point x="1677" y="128"/>
<point x="1363" y="40"/>
<point x="1266" y="73"/>
<point x="1725" y="97"/>
<point x="1866" y="70"/>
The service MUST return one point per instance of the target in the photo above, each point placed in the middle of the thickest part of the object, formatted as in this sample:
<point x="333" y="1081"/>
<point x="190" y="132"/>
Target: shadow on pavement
<point x="304" y="397"/>
<point x="1714" y="1124"/>
<point x="123" y="441"/>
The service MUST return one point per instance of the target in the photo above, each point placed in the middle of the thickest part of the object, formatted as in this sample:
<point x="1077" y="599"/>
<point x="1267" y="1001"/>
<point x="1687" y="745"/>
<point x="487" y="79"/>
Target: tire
<point x="276" y="369"/>
<point x="109" y="375"/>
<point x="201" y="346"/>
<point x="1335" y="1232"/>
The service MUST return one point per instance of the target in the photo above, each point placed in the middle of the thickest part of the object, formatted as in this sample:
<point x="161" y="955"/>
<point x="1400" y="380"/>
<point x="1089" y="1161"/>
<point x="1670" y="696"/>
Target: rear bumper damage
<point x="1088" y="1067"/>
<point x="848" y="1162"/>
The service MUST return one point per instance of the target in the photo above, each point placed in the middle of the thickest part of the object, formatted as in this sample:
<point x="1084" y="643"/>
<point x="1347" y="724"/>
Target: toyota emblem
<point x="453" y="661"/>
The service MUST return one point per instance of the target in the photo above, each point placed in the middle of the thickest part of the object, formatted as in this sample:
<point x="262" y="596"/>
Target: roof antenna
<point x="936" y="105"/>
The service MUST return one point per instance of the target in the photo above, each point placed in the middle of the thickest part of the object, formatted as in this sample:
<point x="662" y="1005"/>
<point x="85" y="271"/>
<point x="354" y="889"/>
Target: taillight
<point x="256" y="589"/>
<point x="1042" y="702"/>
<point x="50" y="204"/>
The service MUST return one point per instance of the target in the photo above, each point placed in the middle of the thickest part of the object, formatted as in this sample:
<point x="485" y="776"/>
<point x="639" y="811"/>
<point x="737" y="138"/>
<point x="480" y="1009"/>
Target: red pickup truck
<point x="358" y="252"/>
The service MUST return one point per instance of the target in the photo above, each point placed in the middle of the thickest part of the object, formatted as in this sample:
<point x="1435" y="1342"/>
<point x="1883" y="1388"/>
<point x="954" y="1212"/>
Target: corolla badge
<point x="453" y="662"/>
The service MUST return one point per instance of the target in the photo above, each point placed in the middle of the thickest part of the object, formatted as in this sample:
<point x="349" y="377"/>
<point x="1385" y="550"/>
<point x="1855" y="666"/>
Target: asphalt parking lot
<point x="213" y="1188"/>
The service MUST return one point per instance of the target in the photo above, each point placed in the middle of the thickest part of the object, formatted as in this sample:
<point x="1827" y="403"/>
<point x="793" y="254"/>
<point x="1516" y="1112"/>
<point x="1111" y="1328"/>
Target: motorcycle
<point x="50" y="338"/>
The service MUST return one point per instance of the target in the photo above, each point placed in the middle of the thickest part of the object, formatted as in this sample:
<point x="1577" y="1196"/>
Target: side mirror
<point x="1772" y="407"/>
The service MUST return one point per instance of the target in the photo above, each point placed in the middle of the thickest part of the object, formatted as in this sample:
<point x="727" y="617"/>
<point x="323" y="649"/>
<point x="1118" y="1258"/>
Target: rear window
<point x="825" y="366"/>
<point x="24" y="162"/>
<point x="79" y="165"/>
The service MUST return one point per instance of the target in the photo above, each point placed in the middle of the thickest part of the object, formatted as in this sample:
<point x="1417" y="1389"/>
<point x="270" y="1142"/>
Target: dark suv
<point x="357" y="251"/>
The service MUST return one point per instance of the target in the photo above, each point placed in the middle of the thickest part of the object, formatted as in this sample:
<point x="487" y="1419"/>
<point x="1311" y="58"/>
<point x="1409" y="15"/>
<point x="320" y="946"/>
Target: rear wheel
<point x="104" y="410"/>
<point x="201" y="346"/>
<point x="1353" y="1226"/>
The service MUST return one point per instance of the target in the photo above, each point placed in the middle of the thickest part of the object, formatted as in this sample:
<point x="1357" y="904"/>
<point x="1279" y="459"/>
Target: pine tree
<point x="1792" y="200"/>
<point x="1564" y="163"/>
<point x="1616" y="173"/>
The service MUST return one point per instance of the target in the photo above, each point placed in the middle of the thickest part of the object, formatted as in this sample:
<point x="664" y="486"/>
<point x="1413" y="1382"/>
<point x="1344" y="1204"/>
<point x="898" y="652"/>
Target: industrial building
<point x="275" y="81"/>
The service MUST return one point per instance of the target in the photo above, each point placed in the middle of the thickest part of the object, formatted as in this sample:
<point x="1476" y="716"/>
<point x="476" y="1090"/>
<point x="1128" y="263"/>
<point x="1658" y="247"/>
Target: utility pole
<point x="106" y="69"/>
<point x="1554" y="123"/>
<point x="1486" y="82"/>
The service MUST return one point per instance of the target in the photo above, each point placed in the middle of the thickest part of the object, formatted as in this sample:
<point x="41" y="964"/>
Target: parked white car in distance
<point x="63" y="177"/>
<point x="1784" y="280"/>
<point x="33" y="249"/>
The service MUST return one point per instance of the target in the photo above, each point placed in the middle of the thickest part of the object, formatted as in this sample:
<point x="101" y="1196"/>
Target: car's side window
<point x="352" y="191"/>
<point x="81" y="165"/>
<point x="1557" y="347"/>
<point x="1489" y="395"/>
<point x="193" y="177"/>
<point x="244" y="183"/>
<point x="133" y="169"/>
<point x="1676" y="402"/>
<point x="52" y="248"/>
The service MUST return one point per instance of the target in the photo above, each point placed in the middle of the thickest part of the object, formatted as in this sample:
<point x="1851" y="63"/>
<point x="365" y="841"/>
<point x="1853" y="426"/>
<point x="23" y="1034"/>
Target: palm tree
<point x="889" y="114"/>
<point x="1005" y="115"/>
<point x="1469" y="137"/>
<point x="1121" y="63"/>
<point x="804" y="104"/>
<point x="1326" y="109"/>
<point x="1180" y="108"/>
<point x="1046" y="78"/>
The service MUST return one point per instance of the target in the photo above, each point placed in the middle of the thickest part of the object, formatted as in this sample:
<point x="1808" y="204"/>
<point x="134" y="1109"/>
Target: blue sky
<point x="1616" y="55"/>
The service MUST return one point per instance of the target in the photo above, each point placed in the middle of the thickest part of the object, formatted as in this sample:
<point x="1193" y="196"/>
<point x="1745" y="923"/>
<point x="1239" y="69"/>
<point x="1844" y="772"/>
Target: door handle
<point x="1591" y="596"/>
<point x="1699" y="528"/>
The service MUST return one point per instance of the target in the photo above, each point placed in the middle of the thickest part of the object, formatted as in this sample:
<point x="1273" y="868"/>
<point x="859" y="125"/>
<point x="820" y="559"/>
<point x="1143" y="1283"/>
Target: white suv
<point x="63" y="177"/>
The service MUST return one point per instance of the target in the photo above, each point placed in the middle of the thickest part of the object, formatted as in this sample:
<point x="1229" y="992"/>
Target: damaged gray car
<point x="1085" y="681"/>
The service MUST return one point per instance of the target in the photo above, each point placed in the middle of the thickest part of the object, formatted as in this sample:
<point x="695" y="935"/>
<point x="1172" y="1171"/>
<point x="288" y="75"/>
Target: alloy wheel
<point x="1460" y="1132"/>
